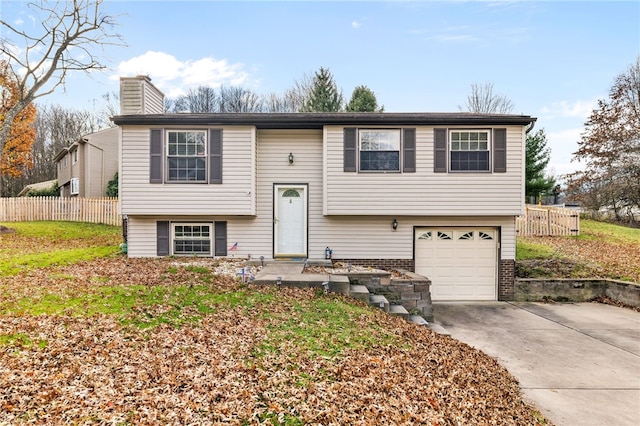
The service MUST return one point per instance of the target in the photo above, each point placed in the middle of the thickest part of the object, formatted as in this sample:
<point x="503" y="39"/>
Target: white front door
<point x="290" y="221"/>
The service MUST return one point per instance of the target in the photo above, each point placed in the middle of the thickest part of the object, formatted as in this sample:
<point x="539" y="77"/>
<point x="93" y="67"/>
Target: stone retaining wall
<point x="411" y="290"/>
<point x="576" y="290"/>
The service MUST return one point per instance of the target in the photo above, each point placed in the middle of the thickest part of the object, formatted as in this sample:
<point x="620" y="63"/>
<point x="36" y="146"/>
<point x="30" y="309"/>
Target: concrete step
<point x="359" y="292"/>
<point x="339" y="284"/>
<point x="417" y="319"/>
<point x="438" y="329"/>
<point x="379" y="301"/>
<point x="399" y="310"/>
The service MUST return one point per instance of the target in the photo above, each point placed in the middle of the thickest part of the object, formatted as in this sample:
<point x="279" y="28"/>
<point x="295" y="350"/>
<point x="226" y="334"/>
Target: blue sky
<point x="552" y="59"/>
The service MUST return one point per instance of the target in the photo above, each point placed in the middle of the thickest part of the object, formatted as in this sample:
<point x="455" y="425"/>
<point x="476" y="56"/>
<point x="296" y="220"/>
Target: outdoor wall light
<point x="394" y="224"/>
<point x="290" y="158"/>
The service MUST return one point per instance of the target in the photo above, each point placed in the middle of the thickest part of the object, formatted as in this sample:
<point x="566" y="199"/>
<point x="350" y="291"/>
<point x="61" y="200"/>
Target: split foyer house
<point x="434" y="193"/>
<point x="85" y="168"/>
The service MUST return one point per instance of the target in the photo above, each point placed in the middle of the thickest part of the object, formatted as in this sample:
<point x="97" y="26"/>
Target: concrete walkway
<point x="578" y="363"/>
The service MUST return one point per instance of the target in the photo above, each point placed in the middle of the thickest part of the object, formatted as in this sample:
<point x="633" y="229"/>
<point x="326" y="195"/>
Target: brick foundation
<point x="506" y="279"/>
<point x="386" y="264"/>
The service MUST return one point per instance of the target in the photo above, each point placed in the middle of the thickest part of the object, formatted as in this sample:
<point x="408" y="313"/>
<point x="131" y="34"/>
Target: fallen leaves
<point x="97" y="369"/>
<point x="588" y="258"/>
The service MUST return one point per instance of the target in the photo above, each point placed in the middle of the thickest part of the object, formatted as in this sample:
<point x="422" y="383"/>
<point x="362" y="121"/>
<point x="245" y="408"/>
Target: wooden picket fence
<point x="548" y="221"/>
<point x="72" y="209"/>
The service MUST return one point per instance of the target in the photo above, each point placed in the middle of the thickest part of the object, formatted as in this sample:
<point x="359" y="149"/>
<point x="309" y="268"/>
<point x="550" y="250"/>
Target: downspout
<point x="530" y="127"/>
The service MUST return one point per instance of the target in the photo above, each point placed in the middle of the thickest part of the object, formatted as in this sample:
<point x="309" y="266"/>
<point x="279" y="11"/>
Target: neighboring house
<point x="87" y="165"/>
<point x="39" y="186"/>
<point x="435" y="193"/>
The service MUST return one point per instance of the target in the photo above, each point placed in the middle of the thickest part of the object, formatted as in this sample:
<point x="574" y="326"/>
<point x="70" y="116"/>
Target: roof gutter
<point x="319" y="120"/>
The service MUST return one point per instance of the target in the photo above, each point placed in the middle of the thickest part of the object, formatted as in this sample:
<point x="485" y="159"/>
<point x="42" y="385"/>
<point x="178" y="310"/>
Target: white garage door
<point x="460" y="262"/>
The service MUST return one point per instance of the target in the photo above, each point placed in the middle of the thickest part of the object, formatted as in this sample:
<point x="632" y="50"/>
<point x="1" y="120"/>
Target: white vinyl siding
<point x="274" y="147"/>
<point x="349" y="237"/>
<point x="235" y="196"/>
<point x="423" y="192"/>
<point x="153" y="99"/>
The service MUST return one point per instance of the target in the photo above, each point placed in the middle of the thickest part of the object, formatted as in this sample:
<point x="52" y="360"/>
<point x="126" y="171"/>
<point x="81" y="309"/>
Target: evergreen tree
<point x="112" y="186"/>
<point x="363" y="100"/>
<point x="324" y="95"/>
<point x="537" y="158"/>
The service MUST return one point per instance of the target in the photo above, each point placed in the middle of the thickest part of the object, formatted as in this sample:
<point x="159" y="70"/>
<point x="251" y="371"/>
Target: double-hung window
<point x="379" y="150"/>
<point x="75" y="186"/>
<point x="186" y="156"/>
<point x="192" y="239"/>
<point x="469" y="150"/>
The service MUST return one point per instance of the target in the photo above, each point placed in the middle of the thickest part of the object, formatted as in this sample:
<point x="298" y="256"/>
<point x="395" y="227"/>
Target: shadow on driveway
<point x="579" y="363"/>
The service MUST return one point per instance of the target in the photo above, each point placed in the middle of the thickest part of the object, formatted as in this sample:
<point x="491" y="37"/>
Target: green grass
<point x="592" y="229"/>
<point x="63" y="231"/>
<point x="37" y="245"/>
<point x="140" y="306"/>
<point x="324" y="327"/>
<point x="527" y="249"/>
<point x="20" y="340"/>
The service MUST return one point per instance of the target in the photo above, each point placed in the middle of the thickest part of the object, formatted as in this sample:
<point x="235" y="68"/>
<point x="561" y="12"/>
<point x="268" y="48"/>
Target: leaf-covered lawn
<point x="40" y="244"/>
<point x="601" y="250"/>
<point x="179" y="341"/>
<point x="186" y="346"/>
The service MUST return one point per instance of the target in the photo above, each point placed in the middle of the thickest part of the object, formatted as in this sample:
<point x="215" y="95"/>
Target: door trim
<point x="304" y="187"/>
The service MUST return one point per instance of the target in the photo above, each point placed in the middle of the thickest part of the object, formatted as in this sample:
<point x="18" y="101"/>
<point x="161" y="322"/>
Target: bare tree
<point x="483" y="100"/>
<point x="292" y="100"/>
<point x="202" y="99"/>
<point x="238" y="99"/>
<point x="226" y="99"/>
<point x="56" y="128"/>
<point x="70" y="30"/>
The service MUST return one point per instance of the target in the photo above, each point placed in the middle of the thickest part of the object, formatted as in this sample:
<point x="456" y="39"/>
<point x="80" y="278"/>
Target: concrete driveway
<point x="579" y="363"/>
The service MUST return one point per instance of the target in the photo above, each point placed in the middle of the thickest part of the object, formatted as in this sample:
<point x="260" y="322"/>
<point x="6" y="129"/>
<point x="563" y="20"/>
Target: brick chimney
<point x="139" y="96"/>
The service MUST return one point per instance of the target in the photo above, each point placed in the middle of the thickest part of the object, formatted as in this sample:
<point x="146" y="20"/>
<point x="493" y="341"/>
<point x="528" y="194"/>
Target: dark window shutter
<point x="350" y="150"/>
<point x="215" y="156"/>
<point x="440" y="151"/>
<point x="156" y="155"/>
<point x="162" y="236"/>
<point x="221" y="238"/>
<point x="409" y="148"/>
<point x="499" y="150"/>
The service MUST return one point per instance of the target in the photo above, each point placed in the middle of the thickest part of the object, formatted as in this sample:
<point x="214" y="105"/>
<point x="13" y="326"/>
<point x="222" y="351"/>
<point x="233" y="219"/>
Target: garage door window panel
<point x="445" y="235"/>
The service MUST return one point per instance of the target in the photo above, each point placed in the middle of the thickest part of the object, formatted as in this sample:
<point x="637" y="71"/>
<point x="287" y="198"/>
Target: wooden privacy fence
<point x="548" y="221"/>
<point x="72" y="209"/>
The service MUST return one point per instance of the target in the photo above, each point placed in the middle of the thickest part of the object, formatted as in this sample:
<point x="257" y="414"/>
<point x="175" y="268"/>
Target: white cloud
<point x="18" y="22"/>
<point x="355" y="24"/>
<point x="174" y="77"/>
<point x="581" y="109"/>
